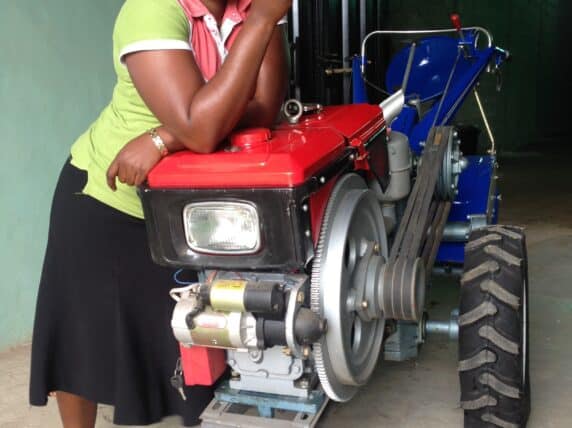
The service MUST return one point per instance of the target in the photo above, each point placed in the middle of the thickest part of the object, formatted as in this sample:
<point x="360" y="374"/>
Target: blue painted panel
<point x="473" y="196"/>
<point x="359" y="93"/>
<point x="432" y="63"/>
<point x="474" y="185"/>
<point x="406" y="120"/>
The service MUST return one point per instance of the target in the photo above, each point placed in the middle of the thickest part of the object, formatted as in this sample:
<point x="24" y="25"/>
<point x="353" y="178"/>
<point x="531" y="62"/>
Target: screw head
<point x="305" y="208"/>
<point x="322" y="180"/>
<point x="365" y="304"/>
<point x="300" y="297"/>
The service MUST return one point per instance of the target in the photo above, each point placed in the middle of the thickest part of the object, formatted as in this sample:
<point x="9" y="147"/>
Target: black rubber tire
<point x="493" y="329"/>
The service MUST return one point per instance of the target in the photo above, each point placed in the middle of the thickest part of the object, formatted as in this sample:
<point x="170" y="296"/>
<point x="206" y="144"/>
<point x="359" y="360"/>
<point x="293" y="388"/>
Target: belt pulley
<point x="345" y="273"/>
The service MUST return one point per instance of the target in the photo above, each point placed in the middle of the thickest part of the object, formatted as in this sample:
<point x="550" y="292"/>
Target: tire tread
<point x="493" y="392"/>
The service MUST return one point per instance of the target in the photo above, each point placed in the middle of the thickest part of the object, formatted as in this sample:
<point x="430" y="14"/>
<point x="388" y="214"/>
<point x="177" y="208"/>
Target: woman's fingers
<point x="111" y="174"/>
<point x="133" y="163"/>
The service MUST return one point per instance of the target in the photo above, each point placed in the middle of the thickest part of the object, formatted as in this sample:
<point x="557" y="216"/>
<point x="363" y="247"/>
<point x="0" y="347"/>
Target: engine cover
<point x="285" y="157"/>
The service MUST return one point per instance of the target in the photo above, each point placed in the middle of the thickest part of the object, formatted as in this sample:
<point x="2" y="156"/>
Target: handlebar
<point x="479" y="30"/>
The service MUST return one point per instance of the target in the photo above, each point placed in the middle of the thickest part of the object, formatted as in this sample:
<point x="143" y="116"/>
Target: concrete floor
<point x="424" y="393"/>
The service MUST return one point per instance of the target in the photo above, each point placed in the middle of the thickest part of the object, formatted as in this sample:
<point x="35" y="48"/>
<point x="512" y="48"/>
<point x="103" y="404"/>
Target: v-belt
<point x="421" y="228"/>
<point x="419" y="234"/>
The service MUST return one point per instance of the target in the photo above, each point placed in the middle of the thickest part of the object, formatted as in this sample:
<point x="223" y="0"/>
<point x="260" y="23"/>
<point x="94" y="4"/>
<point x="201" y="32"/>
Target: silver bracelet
<point x="158" y="141"/>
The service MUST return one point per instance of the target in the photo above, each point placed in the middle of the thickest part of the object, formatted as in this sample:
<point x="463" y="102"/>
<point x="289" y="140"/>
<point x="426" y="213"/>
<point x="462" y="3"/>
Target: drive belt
<point x="421" y="228"/>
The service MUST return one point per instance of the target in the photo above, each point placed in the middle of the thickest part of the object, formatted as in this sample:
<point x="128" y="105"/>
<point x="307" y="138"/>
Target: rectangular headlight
<point x="222" y="228"/>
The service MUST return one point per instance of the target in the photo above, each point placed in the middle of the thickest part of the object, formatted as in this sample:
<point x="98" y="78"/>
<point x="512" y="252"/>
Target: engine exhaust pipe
<point x="392" y="106"/>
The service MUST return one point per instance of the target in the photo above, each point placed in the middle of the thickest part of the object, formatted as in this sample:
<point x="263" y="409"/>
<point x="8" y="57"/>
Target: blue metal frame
<point x="444" y="71"/>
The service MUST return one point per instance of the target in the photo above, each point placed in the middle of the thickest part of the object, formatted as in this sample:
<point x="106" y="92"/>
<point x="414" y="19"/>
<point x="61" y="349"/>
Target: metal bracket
<point x="236" y="409"/>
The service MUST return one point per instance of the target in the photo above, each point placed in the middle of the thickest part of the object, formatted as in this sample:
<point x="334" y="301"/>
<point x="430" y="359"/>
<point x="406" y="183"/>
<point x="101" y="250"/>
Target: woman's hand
<point x="273" y="10"/>
<point x="133" y="162"/>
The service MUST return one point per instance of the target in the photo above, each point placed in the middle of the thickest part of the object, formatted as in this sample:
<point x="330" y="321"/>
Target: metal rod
<point x="486" y="121"/>
<point x="447" y="270"/>
<point x="346" y="46"/>
<point x="449" y="327"/>
<point x="446" y="90"/>
<point x="408" y="68"/>
<point x="296" y="42"/>
<point x="423" y="32"/>
<point x="362" y="19"/>
<point x="295" y="19"/>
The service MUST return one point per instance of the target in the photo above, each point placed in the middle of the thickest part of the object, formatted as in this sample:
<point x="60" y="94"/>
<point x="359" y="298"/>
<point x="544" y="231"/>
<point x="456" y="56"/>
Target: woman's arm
<point x="195" y="114"/>
<point x="271" y="85"/>
<point x="200" y="115"/>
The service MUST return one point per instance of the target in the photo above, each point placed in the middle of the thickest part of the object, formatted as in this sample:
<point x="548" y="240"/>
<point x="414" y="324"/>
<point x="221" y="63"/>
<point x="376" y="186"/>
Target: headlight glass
<point x="222" y="228"/>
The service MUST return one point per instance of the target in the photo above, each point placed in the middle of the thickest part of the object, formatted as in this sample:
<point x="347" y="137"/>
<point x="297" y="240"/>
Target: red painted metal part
<point x="318" y="204"/>
<point x="202" y="366"/>
<point x="286" y="157"/>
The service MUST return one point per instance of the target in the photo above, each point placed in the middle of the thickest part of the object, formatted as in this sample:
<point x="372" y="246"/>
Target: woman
<point x="188" y="73"/>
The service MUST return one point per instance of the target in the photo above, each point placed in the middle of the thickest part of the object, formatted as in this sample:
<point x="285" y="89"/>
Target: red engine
<point x="293" y="168"/>
<point x="250" y="218"/>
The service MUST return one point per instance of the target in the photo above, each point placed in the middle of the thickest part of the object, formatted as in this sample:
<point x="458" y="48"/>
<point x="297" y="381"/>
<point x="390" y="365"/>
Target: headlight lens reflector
<point x="222" y="228"/>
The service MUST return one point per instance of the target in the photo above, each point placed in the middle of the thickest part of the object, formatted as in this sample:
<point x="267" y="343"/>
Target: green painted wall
<point x="55" y="76"/>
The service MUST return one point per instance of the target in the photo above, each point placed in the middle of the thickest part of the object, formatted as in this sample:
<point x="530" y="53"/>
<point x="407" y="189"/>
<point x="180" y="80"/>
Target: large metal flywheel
<point x="351" y="252"/>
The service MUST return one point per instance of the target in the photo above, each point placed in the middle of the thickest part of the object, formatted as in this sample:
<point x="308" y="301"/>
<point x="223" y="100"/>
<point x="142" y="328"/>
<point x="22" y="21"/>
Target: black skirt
<point x="102" y="327"/>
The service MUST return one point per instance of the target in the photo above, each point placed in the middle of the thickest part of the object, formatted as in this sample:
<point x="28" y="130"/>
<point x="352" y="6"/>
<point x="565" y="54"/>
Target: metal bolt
<point x="300" y="297"/>
<point x="304" y="384"/>
<point x="365" y="304"/>
<point x="255" y="356"/>
<point x="352" y="157"/>
<point x="306" y="351"/>
<point x="322" y="180"/>
<point x="305" y="208"/>
<point x="234" y="375"/>
<point x="376" y="248"/>
<point x="287" y="351"/>
<point x="499" y="197"/>
<point x="308" y="233"/>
